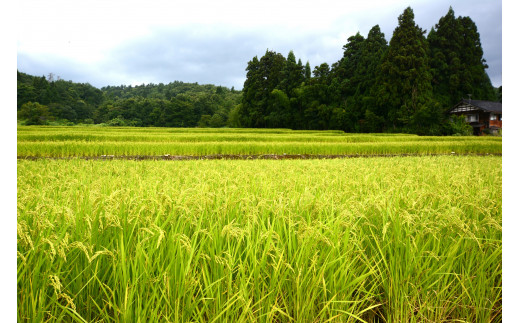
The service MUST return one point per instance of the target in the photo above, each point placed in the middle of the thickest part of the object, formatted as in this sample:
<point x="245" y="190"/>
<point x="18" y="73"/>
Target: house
<point x="481" y="115"/>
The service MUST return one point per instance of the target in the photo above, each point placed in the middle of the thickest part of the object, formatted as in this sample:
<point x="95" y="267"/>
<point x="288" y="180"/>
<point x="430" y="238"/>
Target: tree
<point x="250" y="109"/>
<point x="25" y="93"/>
<point x="457" y="125"/>
<point x="458" y="68"/>
<point x="263" y="76"/>
<point x="307" y="72"/>
<point x="478" y="82"/>
<point x="34" y="113"/>
<point x="217" y="121"/>
<point x="142" y="105"/>
<point x="349" y="65"/>
<point x="318" y="88"/>
<point x="63" y="112"/>
<point x="280" y="114"/>
<point x="204" y="121"/>
<point x="234" y="117"/>
<point x="356" y="75"/>
<point x="292" y="74"/>
<point x="405" y="78"/>
<point x="372" y="54"/>
<point x="446" y="43"/>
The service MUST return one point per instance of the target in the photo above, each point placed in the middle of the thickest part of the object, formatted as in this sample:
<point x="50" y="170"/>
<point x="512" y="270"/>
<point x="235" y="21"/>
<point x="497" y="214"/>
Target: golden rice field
<point x="96" y="141"/>
<point x="398" y="239"/>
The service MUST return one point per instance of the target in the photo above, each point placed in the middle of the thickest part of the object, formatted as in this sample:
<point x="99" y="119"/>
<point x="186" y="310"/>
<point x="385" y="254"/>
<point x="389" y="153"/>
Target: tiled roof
<point x="485" y="105"/>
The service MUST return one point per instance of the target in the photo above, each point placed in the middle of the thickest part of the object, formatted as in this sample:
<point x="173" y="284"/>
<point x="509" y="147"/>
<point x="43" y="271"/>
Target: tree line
<point x="405" y="85"/>
<point x="44" y="100"/>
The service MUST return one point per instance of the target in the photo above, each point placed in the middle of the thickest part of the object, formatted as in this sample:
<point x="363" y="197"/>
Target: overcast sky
<point x="114" y="42"/>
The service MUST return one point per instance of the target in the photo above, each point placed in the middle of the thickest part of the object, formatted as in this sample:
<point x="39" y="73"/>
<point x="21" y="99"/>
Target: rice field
<point x="399" y="239"/>
<point x="96" y="141"/>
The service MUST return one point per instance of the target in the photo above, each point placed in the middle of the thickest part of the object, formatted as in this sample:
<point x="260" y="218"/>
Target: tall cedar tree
<point x="346" y="73"/>
<point x="350" y="63"/>
<point x="318" y="99"/>
<point x="292" y="73"/>
<point x="374" y="50"/>
<point x="263" y="76"/>
<point x="357" y="72"/>
<point x="251" y="96"/>
<point x="405" y="78"/>
<point x="307" y="71"/>
<point x="477" y="81"/>
<point x="458" y="68"/>
<point x="290" y="107"/>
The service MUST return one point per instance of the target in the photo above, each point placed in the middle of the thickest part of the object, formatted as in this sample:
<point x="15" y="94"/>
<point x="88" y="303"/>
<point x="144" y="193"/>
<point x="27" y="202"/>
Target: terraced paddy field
<point x="95" y="141"/>
<point x="397" y="239"/>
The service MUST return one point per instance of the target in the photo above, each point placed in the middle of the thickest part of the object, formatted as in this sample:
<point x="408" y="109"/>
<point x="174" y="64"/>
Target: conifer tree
<point x="405" y="78"/>
<point x="458" y="68"/>
<point x="292" y="78"/>
<point x="347" y="74"/>
<point x="263" y="76"/>
<point x="251" y="93"/>
<point x="445" y="46"/>
<point x="292" y="74"/>
<point x="307" y="72"/>
<point x="360" y="64"/>
<point x="349" y="64"/>
<point x="476" y="80"/>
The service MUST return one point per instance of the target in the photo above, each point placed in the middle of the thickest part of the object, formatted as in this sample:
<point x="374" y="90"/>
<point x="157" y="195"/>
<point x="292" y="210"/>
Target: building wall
<point x="484" y="123"/>
<point x="496" y="123"/>
<point x="483" y="118"/>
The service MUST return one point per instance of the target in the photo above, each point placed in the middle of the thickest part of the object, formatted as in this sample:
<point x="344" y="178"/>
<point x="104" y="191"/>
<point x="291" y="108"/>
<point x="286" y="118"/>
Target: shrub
<point x="457" y="125"/>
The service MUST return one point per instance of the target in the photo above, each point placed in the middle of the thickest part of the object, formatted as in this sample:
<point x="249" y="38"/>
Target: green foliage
<point x="279" y="115"/>
<point x="117" y="122"/>
<point x="498" y="93"/>
<point x="405" y="78"/>
<point x="349" y="68"/>
<point x="357" y="73"/>
<point x="263" y="76"/>
<point x="34" y="114"/>
<point x="174" y="104"/>
<point x="217" y="121"/>
<point x="427" y="120"/>
<point x="234" y="117"/>
<point x="372" y="122"/>
<point x="204" y="121"/>
<point x="406" y="86"/>
<point x="292" y="74"/>
<point x="457" y="63"/>
<point x="66" y="100"/>
<point x="458" y="126"/>
<point x="307" y="72"/>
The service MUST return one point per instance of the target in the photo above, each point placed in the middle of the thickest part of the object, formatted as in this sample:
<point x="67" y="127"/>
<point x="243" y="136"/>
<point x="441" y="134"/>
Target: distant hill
<point x="44" y="100"/>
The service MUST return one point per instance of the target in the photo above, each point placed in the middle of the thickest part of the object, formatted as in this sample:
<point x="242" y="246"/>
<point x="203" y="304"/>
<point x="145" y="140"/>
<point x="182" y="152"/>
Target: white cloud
<point x="91" y="37"/>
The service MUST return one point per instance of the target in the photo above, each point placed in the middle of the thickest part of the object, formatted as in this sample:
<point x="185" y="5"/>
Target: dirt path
<point x="242" y="157"/>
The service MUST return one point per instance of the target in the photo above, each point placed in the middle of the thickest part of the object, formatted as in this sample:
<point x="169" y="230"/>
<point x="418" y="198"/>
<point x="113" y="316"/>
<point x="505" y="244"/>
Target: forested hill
<point x="46" y="100"/>
<point x="405" y="85"/>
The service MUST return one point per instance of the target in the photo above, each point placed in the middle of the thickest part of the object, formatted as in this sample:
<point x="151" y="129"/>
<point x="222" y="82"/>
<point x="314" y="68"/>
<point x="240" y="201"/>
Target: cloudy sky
<point x="113" y="42"/>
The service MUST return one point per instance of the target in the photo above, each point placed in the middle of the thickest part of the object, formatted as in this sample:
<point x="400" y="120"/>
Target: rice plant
<point x="408" y="239"/>
<point x="95" y="141"/>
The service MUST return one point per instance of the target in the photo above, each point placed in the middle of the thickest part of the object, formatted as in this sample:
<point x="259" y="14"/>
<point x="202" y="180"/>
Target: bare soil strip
<point x="243" y="157"/>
